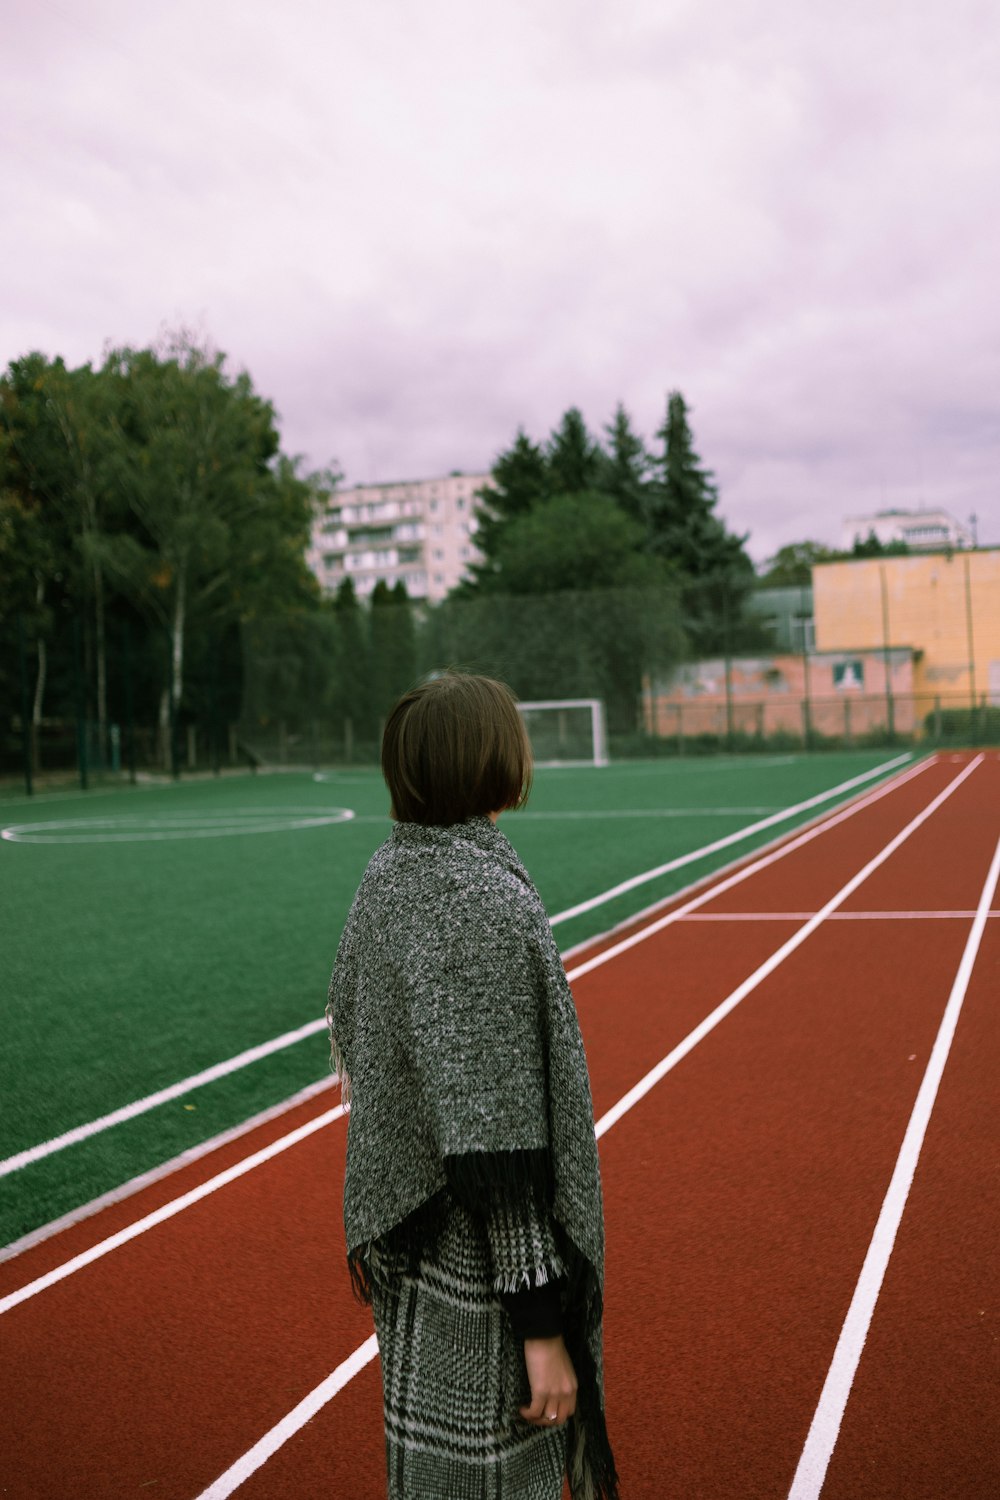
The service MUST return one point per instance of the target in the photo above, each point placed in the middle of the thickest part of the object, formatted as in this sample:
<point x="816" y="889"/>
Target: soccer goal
<point x="567" y="731"/>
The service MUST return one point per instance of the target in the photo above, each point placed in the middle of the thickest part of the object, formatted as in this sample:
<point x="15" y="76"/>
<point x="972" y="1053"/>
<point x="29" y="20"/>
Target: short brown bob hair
<point x="453" y="747"/>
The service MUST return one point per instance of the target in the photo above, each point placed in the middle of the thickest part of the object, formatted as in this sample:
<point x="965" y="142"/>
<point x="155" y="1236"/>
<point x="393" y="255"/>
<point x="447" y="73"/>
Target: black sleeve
<point x="535" y="1312"/>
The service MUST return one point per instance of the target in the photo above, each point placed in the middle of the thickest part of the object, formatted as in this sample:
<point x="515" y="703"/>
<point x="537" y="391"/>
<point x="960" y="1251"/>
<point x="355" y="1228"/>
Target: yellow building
<point x="945" y="605"/>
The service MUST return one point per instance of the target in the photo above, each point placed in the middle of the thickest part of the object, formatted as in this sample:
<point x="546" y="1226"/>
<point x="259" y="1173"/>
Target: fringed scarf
<point x="457" y="1042"/>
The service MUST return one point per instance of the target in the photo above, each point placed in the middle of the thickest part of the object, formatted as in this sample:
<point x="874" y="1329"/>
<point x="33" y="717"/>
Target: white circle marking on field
<point x="138" y="828"/>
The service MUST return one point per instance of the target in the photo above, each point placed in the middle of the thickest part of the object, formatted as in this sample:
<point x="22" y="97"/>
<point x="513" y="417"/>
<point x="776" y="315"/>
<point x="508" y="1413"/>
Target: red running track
<point x="741" y="1194"/>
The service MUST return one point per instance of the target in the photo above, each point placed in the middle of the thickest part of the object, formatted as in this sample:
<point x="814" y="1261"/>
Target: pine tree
<point x="626" y="466"/>
<point x="353" y="674"/>
<point x="519" y="482"/>
<point x="393" y="646"/>
<point x="717" y="574"/>
<point x="575" y="461"/>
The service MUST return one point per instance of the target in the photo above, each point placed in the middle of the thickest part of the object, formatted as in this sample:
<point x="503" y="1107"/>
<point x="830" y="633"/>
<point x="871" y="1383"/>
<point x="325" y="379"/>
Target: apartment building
<point x="919" y="529"/>
<point x="420" y="532"/>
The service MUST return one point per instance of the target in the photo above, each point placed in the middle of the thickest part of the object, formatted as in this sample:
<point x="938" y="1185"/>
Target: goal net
<point x="567" y="731"/>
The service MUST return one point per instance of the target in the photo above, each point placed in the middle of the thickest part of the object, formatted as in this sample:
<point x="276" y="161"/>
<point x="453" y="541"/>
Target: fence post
<point x="348" y="739"/>
<point x="937" y="719"/>
<point x="847" y="721"/>
<point x="213" y="714"/>
<point x="25" y="721"/>
<point x="680" y="729"/>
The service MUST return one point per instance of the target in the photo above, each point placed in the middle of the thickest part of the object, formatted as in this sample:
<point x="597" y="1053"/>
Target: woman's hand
<point x="552" y="1380"/>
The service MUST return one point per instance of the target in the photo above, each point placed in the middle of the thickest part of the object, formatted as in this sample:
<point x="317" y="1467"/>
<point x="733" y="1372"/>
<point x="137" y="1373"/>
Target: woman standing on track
<point x="472" y="1194"/>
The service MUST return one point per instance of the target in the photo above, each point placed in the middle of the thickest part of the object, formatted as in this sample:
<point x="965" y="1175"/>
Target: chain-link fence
<point x="677" y="673"/>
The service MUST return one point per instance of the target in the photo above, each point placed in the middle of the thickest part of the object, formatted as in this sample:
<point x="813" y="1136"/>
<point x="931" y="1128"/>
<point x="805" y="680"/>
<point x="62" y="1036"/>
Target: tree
<point x="27" y="564"/>
<point x="55" y="458"/>
<point x="872" y="547"/>
<point x="792" y="564"/>
<point x="683" y="528"/>
<point x="393" y="645"/>
<point x="352" y="696"/>
<point x="520" y="481"/>
<point x="574" y="541"/>
<point x="626" y="467"/>
<point x="222" y="516"/>
<point x="574" y="461"/>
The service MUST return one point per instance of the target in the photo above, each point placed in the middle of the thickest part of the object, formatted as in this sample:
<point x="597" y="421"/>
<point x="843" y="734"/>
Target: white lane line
<point x="237" y="1473"/>
<point x="168" y="1210"/>
<point x="837" y="916"/>
<point x="162" y="1096"/>
<point x="727" y="841"/>
<point x="744" y="872"/>
<point x="156" y="1174"/>
<point x="312" y="1028"/>
<point x="825" y="1428"/>
<point x="652" y="812"/>
<point x="269" y="1444"/>
<point x="668" y="1063"/>
<point x="707" y="894"/>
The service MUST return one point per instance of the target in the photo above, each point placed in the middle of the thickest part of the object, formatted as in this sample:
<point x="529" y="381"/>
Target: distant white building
<point x="419" y="532"/>
<point x="917" y="528"/>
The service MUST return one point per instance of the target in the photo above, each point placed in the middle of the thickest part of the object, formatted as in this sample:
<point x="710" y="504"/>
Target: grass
<point x="132" y="965"/>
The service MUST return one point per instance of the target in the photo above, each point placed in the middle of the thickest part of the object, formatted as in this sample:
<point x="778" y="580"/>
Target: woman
<point x="472" y="1194"/>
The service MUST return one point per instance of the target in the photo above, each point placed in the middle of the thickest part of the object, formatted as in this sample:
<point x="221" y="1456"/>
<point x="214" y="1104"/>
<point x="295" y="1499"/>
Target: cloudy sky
<point x="420" y="225"/>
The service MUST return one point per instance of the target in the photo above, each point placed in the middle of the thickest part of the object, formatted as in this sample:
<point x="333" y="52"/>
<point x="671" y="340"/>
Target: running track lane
<point x="923" y="1421"/>
<point x="217" y="1334"/>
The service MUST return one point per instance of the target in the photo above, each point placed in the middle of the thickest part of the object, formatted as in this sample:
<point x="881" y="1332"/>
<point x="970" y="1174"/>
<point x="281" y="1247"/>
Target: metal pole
<point x="968" y="627"/>
<point x="25" y="721"/>
<point x="886" y="660"/>
<point x="81" y="706"/>
<point x="728" y="662"/>
<point x="806" y="715"/>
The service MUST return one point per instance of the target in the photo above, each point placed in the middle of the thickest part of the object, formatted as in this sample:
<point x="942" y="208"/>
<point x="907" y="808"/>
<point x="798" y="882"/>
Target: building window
<point x="438" y="555"/>
<point x="460" y="503"/>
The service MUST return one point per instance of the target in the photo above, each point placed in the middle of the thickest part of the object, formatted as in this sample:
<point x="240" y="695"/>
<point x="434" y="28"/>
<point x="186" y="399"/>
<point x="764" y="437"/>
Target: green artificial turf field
<point x="152" y="932"/>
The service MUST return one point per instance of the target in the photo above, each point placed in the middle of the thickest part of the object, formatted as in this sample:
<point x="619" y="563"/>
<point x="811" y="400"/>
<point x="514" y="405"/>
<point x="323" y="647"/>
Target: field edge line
<point x="79" y="1133"/>
<point x="186" y="1158"/>
<point x="784" y="844"/>
<point x="168" y="1210"/>
<point x="255" y="1457"/>
<point x="824" y="1429"/>
<point x="634" y="881"/>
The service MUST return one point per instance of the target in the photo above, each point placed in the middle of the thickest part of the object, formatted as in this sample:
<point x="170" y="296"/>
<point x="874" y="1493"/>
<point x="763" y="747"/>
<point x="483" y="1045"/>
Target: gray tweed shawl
<point x="457" y="1041"/>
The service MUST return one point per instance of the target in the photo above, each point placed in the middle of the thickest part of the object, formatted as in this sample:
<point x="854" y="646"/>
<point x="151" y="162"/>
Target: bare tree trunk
<point x="164" y="728"/>
<point x="177" y="638"/>
<point x="170" y="699"/>
<point x="102" y="664"/>
<point x="40" y="675"/>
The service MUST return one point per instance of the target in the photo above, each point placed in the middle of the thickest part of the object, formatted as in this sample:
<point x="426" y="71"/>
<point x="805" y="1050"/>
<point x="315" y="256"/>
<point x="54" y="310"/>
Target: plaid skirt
<point x="453" y="1377"/>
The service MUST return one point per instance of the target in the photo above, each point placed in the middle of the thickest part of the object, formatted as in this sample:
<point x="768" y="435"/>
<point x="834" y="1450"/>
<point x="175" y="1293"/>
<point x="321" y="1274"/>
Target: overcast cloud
<point x="422" y="225"/>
